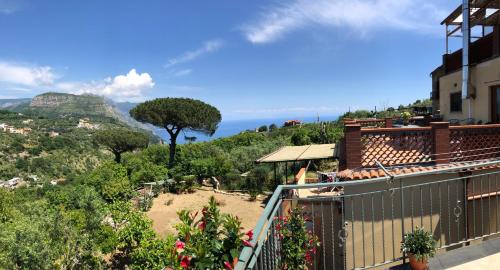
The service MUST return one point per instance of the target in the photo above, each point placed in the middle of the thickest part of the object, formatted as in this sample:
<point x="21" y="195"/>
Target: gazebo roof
<point x="297" y="153"/>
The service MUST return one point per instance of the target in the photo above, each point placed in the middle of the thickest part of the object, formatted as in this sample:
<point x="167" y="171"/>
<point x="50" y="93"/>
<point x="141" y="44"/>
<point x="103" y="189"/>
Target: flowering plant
<point x="209" y="241"/>
<point x="298" y="245"/>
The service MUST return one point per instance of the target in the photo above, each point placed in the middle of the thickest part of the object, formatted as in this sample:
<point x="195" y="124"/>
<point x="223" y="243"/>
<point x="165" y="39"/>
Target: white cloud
<point x="17" y="77"/>
<point x="26" y="75"/>
<point x="207" y="47"/>
<point x="132" y="86"/>
<point x="182" y="72"/>
<point x="362" y="16"/>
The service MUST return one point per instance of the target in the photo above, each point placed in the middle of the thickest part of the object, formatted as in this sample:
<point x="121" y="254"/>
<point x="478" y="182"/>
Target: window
<point x="456" y="102"/>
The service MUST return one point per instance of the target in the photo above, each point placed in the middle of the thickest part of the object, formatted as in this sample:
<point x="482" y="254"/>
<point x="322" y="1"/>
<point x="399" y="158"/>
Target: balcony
<point x="481" y="50"/>
<point x="360" y="224"/>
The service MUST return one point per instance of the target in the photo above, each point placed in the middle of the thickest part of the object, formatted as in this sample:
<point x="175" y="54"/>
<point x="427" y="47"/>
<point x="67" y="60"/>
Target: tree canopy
<point x="120" y="140"/>
<point x="176" y="114"/>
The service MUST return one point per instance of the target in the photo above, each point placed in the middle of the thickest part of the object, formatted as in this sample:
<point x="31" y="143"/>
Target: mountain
<point x="57" y="105"/>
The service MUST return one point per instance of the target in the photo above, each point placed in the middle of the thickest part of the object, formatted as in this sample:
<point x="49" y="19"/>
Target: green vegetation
<point x="177" y="114"/>
<point x="92" y="219"/>
<point x="79" y="222"/>
<point x="388" y="112"/>
<point x="120" y="140"/>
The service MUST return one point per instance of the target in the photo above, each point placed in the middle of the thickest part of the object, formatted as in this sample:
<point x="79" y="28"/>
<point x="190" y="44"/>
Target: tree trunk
<point x="173" y="144"/>
<point x="118" y="157"/>
<point x="172" y="153"/>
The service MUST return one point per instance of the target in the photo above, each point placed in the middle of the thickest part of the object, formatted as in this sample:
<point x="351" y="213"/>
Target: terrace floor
<point x="484" y="255"/>
<point x="481" y="255"/>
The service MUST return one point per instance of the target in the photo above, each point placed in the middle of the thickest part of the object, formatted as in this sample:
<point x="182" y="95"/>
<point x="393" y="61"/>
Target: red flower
<point x="247" y="243"/>
<point x="179" y="246"/>
<point x="308" y="257"/>
<point x="228" y="266"/>
<point x="250" y="234"/>
<point x="202" y="225"/>
<point x="185" y="262"/>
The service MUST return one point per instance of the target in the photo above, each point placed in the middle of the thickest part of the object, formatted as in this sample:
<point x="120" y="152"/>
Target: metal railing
<point x="361" y="224"/>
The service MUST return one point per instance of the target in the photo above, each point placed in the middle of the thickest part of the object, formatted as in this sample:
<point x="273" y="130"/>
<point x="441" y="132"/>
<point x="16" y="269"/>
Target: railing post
<point x="440" y="142"/>
<point x="352" y="140"/>
<point x="388" y="122"/>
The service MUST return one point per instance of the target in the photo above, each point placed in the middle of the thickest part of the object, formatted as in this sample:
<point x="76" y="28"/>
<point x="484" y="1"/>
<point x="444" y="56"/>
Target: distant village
<point x="18" y="181"/>
<point x="82" y="123"/>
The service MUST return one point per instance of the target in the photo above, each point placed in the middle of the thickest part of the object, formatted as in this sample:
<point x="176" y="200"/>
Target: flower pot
<point x="418" y="265"/>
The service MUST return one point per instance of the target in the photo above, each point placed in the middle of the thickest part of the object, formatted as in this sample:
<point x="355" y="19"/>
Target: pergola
<point x="294" y="154"/>
<point x="482" y="13"/>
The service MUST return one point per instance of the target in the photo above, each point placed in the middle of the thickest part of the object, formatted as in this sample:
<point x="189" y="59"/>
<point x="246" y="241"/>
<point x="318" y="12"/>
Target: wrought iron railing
<point x="361" y="224"/>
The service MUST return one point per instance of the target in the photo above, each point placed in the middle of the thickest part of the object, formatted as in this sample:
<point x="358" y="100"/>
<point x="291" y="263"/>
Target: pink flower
<point x="228" y="266"/>
<point x="250" y="234"/>
<point x="179" y="246"/>
<point x="185" y="262"/>
<point x="247" y="243"/>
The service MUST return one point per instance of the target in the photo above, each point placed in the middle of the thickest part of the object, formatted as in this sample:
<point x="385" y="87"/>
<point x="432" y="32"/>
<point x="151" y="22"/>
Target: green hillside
<point x="54" y="146"/>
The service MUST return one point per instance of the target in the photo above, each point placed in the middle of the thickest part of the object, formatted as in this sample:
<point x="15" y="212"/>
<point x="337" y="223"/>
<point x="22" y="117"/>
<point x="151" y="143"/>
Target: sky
<point x="251" y="59"/>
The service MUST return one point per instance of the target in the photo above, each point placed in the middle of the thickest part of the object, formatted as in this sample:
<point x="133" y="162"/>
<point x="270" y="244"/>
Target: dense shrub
<point x="111" y="181"/>
<point x="298" y="245"/>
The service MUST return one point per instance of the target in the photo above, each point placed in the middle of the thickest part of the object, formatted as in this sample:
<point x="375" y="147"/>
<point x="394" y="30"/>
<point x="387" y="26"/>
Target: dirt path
<point x="165" y="216"/>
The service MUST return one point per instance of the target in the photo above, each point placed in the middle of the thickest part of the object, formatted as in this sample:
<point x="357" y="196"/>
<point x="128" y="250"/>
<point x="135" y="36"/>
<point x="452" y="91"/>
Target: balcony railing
<point x="474" y="142"/>
<point x="370" y="122"/>
<point x="480" y="50"/>
<point x="361" y="224"/>
<point x="437" y="144"/>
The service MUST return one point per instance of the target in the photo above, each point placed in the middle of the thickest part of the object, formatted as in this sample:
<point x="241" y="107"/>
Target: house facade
<point x="480" y="103"/>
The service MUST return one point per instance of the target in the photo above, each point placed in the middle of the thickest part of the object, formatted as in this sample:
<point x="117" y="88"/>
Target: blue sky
<point x="251" y="59"/>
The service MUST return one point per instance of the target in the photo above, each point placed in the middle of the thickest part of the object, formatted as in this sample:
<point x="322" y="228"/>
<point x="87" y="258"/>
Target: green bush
<point x="300" y="137"/>
<point x="111" y="181"/>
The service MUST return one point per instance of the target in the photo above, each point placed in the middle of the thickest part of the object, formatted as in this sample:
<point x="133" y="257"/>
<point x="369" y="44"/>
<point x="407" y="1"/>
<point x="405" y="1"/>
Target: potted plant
<point x="406" y="117"/>
<point x="419" y="246"/>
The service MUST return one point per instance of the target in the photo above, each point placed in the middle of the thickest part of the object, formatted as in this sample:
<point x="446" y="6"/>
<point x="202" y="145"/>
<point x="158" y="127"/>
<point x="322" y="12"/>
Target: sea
<point x="232" y="127"/>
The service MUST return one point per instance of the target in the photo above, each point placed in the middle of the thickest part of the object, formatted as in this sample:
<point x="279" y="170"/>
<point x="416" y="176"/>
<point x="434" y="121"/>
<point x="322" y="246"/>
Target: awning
<point x="297" y="153"/>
